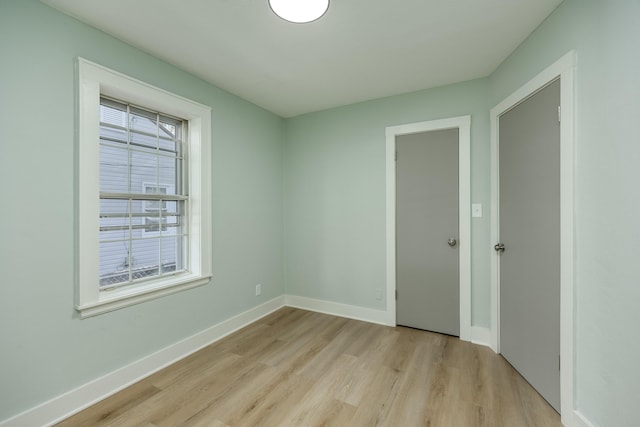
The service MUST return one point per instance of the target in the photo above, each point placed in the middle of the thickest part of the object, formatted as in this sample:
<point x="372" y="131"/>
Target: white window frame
<point x="94" y="81"/>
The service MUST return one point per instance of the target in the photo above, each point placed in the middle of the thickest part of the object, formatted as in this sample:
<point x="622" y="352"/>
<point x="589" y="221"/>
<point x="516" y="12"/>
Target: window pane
<point x="114" y="219"/>
<point x="114" y="262"/>
<point x="114" y="228"/>
<point x="112" y="115"/>
<point x="171" y="248"/>
<point x="152" y="224"/>
<point x="138" y="218"/>
<point x="113" y="136"/>
<point x="167" y="130"/>
<point x="154" y="189"/>
<point x="113" y="169"/>
<point x="144" y="169"/>
<point x="146" y="254"/>
<point x="153" y="206"/>
<point x="144" y="140"/>
<point x="142" y="121"/>
<point x="168" y="174"/>
<point x="114" y="206"/>
<point x="168" y="145"/>
<point x="171" y="219"/>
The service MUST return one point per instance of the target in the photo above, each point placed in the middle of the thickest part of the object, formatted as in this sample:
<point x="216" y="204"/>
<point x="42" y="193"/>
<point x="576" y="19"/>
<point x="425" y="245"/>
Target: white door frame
<point x="463" y="124"/>
<point x="564" y="68"/>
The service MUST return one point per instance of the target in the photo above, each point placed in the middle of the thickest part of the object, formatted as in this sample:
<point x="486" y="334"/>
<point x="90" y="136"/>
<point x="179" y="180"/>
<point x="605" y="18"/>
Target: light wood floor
<point x="298" y="368"/>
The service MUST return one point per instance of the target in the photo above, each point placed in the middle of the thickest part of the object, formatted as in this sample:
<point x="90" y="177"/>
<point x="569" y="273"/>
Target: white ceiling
<point x="360" y="50"/>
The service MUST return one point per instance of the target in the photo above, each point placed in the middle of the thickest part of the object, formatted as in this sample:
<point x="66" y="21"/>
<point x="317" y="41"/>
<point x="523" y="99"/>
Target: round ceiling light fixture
<point x="299" y="11"/>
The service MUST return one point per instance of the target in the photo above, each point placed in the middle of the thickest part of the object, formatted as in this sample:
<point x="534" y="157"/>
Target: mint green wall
<point x="45" y="350"/>
<point x="335" y="194"/>
<point x="606" y="36"/>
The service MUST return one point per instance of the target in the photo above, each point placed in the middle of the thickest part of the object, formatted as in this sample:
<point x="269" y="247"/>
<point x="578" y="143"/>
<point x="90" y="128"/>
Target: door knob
<point x="452" y="242"/>
<point x="499" y="247"/>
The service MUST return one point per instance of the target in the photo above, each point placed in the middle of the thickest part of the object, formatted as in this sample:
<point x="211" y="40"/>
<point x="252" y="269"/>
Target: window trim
<point x="93" y="81"/>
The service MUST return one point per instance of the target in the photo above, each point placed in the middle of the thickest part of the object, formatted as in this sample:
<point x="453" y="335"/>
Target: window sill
<point x="114" y="300"/>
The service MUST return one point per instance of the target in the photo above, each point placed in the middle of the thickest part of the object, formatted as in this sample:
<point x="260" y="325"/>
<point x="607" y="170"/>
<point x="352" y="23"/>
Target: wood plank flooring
<point x="299" y="368"/>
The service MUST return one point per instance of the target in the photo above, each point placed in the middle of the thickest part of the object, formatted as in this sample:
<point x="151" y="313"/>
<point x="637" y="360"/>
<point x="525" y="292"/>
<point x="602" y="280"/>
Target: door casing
<point x="564" y="68"/>
<point x="463" y="124"/>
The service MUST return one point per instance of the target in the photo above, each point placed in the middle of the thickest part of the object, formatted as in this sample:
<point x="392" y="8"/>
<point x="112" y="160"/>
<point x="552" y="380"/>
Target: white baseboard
<point x="481" y="335"/>
<point x="69" y="403"/>
<point x="579" y="420"/>
<point x="337" y="309"/>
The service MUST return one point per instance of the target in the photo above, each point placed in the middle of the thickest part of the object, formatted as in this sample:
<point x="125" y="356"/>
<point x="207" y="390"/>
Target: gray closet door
<point x="529" y="150"/>
<point x="427" y="277"/>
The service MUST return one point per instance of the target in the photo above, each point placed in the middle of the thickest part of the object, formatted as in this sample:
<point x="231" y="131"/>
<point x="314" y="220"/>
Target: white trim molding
<point x="579" y="420"/>
<point x="365" y="314"/>
<point x="463" y="123"/>
<point x="564" y="69"/>
<point x="67" y="404"/>
<point x="481" y="336"/>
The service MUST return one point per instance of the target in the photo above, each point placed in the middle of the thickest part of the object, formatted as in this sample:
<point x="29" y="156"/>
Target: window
<point x="142" y="233"/>
<point x="144" y="203"/>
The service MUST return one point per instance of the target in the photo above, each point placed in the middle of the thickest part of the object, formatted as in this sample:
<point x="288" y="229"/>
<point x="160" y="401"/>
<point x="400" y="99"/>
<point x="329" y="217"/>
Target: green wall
<point x="335" y="194"/>
<point x="606" y="37"/>
<point x="45" y="350"/>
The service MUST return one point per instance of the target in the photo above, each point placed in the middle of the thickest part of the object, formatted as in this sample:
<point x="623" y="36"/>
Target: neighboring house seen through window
<point x="156" y="209"/>
<point x="144" y="177"/>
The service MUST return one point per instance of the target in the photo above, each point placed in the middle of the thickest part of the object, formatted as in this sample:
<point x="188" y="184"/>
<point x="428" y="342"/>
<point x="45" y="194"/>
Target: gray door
<point x="529" y="150"/>
<point x="427" y="277"/>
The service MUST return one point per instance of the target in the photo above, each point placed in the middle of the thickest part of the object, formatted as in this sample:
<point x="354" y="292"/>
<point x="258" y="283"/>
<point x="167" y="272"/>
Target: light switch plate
<point x="476" y="210"/>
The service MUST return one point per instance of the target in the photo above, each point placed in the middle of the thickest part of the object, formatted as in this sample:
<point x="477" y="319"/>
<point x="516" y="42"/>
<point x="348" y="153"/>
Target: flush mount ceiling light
<point x="299" y="11"/>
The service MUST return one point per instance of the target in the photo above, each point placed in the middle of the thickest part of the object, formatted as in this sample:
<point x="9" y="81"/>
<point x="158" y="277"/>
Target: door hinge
<point x="558" y="362"/>
<point x="396" y="295"/>
<point x="396" y="156"/>
<point x="559" y="114"/>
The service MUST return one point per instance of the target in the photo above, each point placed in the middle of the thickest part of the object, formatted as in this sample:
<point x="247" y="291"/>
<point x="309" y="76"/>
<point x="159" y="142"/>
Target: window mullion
<point x="158" y="152"/>
<point x="130" y="242"/>
<point x="160" y="271"/>
<point x="129" y="162"/>
<point x="141" y="196"/>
